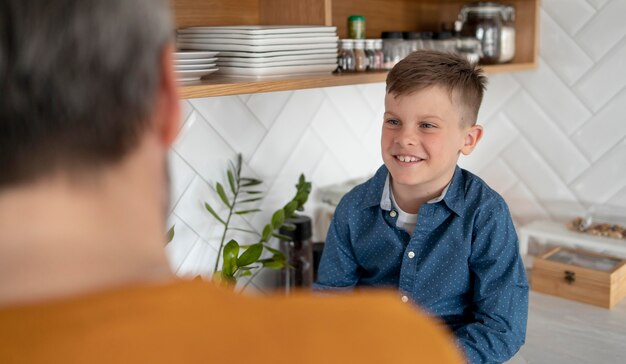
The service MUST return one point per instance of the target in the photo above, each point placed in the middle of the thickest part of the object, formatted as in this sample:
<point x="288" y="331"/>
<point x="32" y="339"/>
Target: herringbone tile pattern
<point x="554" y="144"/>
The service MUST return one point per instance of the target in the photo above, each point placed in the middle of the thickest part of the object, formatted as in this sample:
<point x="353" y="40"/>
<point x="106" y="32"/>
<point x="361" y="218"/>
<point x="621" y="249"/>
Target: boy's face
<point x="422" y="137"/>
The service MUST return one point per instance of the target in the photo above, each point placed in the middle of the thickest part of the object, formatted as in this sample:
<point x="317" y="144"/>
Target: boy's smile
<point x="423" y="134"/>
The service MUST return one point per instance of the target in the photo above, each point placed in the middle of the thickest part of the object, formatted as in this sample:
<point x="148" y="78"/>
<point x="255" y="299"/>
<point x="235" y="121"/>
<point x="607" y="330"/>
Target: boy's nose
<point x="406" y="137"/>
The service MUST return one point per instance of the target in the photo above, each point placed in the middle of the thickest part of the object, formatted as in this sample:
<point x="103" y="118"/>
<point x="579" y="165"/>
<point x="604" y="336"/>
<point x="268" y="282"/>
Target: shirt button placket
<point x="411" y="254"/>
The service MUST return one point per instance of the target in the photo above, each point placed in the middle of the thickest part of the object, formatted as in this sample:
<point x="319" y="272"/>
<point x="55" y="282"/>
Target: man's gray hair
<point x="78" y="80"/>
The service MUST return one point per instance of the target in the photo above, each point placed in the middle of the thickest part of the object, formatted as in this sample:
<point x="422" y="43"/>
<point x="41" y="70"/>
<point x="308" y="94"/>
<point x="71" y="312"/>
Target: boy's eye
<point x="392" y="122"/>
<point x="426" y="125"/>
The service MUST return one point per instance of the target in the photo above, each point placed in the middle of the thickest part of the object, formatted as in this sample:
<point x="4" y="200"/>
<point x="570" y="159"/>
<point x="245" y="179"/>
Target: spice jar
<point x="356" y="27"/>
<point x="370" y="53"/>
<point x="380" y="56"/>
<point x="346" y="55"/>
<point x="427" y="40"/>
<point x="484" y="22"/>
<point x="360" y="59"/>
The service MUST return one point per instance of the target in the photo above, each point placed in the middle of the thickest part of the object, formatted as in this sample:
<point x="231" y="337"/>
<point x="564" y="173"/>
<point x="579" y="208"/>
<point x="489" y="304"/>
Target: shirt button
<point x="404" y="299"/>
<point x="393" y="213"/>
<point x="411" y="255"/>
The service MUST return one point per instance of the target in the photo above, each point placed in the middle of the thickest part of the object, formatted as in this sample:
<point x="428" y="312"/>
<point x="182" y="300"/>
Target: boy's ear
<point x="472" y="136"/>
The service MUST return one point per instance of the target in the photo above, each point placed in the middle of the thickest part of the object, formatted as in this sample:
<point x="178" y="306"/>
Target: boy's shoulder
<point x="367" y="193"/>
<point x="477" y="193"/>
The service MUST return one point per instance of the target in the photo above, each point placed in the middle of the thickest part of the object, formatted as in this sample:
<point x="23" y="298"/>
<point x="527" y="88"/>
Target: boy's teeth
<point x="406" y="158"/>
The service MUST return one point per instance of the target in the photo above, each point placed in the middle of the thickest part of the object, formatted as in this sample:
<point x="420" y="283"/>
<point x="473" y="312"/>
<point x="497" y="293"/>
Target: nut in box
<point x="593" y="278"/>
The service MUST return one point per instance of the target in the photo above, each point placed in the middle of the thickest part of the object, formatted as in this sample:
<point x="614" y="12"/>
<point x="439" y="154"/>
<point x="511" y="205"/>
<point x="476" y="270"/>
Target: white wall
<point x="555" y="137"/>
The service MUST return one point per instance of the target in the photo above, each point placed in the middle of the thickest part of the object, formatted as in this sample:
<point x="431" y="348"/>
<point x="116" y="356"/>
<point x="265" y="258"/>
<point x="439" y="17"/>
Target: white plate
<point x="312" y="58"/>
<point x="185" y="67"/>
<point x="259" y="29"/>
<point x="260" y="48"/>
<point x="311" y="53"/>
<point x="277" y="71"/>
<point x="193" y="55"/>
<point x="231" y="35"/>
<point x="306" y="62"/>
<point x="260" y="42"/>
<point x="194" y="74"/>
<point x="194" y="61"/>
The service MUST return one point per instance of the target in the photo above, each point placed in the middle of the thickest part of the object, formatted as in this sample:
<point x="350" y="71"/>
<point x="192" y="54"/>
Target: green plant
<point x="241" y="260"/>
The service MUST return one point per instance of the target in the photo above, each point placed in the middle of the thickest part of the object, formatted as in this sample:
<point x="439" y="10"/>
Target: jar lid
<point x="391" y="35"/>
<point x="359" y="43"/>
<point x="347" y="43"/>
<point x="426" y="35"/>
<point x="356" y="18"/>
<point x="442" y="35"/>
<point x="411" y="35"/>
<point x="484" y="8"/>
<point x="303" y="230"/>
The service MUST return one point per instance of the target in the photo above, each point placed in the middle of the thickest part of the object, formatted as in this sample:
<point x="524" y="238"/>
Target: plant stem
<point x="250" y="280"/>
<point x="230" y="214"/>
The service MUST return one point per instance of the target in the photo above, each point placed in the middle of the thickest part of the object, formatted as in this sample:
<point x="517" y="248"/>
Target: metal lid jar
<point x="484" y="21"/>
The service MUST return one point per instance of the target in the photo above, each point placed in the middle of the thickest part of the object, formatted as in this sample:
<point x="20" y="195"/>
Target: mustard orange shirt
<point x="198" y="322"/>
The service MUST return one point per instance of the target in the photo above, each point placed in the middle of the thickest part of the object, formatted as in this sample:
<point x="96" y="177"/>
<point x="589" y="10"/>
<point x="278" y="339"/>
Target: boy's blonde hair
<point x="426" y="68"/>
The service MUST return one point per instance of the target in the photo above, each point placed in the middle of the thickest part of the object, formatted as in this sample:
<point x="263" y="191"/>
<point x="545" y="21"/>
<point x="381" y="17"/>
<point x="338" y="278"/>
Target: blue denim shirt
<point x="461" y="264"/>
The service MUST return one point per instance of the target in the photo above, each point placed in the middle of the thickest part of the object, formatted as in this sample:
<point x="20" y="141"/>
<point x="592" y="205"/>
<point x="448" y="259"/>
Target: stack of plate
<point x="191" y="66"/>
<point x="266" y="50"/>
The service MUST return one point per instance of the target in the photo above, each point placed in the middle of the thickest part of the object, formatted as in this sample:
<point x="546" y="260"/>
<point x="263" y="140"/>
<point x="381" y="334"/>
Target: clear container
<point x="394" y="49"/>
<point x="443" y="41"/>
<point x="427" y="40"/>
<point x="380" y="56"/>
<point x="370" y="53"/>
<point x="360" y="58"/>
<point x="601" y="220"/>
<point x="346" y="55"/>
<point x="507" y="39"/>
<point x="468" y="47"/>
<point x="484" y="21"/>
<point x="413" y="41"/>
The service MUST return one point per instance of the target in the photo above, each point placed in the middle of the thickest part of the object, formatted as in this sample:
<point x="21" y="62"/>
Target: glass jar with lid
<point x="346" y="55"/>
<point x="413" y="41"/>
<point x="394" y="49"/>
<point x="484" y="22"/>
<point x="507" y="39"/>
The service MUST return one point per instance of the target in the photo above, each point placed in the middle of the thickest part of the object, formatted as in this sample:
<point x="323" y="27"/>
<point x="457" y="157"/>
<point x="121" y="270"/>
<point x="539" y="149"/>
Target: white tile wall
<point x="555" y="137"/>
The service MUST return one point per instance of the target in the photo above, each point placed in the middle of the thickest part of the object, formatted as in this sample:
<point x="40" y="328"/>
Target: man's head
<point x="431" y="108"/>
<point x="80" y="82"/>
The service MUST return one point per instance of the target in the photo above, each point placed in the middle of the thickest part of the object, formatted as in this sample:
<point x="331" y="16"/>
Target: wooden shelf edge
<point x="225" y="86"/>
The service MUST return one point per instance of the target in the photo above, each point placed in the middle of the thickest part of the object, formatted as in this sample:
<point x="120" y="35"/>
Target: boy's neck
<point x="411" y="197"/>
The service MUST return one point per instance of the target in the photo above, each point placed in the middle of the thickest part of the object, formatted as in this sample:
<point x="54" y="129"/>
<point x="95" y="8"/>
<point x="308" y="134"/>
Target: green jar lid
<point x="356" y="17"/>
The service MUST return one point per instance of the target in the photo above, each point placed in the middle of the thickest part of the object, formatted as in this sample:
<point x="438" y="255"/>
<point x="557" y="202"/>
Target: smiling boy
<point x="436" y="232"/>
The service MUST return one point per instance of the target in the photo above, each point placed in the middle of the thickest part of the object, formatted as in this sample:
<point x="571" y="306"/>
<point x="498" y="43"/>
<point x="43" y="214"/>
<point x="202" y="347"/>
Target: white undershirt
<point x="405" y="220"/>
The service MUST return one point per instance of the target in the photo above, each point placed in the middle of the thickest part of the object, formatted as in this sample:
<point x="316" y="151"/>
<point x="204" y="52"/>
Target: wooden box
<point x="593" y="278"/>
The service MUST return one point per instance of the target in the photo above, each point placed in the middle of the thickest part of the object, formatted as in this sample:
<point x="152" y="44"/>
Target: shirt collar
<point x="378" y="193"/>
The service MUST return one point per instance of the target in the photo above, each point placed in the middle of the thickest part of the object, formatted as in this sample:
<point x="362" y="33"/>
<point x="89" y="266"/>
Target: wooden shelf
<point x="222" y="85"/>
<point x="403" y="15"/>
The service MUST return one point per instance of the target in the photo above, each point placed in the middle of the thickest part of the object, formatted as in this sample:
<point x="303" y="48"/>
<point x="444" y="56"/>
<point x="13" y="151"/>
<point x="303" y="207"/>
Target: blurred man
<point x="89" y="108"/>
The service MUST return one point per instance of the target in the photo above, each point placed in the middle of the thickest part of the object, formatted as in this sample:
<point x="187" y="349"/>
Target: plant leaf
<point x="272" y="263"/>
<point x="278" y="218"/>
<point x="170" y="234"/>
<point x="250" y="200"/>
<point x="246" y="211"/>
<point x="220" y="191"/>
<point x="282" y="237"/>
<point x="274" y="251"/>
<point x="245" y="273"/>
<point x="288" y="227"/>
<point x="239" y="164"/>
<point x="215" y="215"/>
<point x="267" y="232"/>
<point x="245" y="231"/>
<point x="251" y="255"/>
<point x="290" y="208"/>
<point x="231" y="180"/>
<point x="249" y="182"/>
<point x="231" y="251"/>
<point x="252" y="192"/>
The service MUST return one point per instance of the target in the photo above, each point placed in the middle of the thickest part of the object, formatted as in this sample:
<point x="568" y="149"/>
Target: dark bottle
<point x="299" y="254"/>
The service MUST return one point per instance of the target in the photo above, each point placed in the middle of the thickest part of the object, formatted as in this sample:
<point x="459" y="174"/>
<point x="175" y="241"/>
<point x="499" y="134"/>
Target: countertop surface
<point x="565" y="331"/>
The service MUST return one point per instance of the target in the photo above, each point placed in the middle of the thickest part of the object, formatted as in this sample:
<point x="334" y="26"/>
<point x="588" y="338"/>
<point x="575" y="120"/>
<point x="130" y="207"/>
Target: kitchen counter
<point x="564" y="331"/>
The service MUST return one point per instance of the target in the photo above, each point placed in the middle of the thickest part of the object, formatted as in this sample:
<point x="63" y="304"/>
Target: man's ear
<point x="472" y="136"/>
<point x="167" y="106"/>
